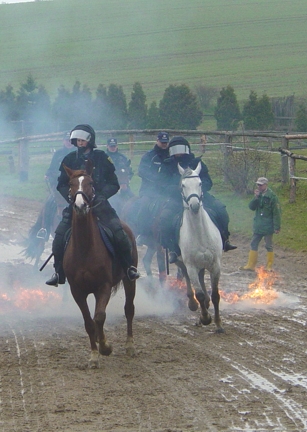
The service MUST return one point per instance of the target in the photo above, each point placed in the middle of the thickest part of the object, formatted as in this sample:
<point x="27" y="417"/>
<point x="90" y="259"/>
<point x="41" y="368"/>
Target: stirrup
<point x="54" y="280"/>
<point x="132" y="273"/>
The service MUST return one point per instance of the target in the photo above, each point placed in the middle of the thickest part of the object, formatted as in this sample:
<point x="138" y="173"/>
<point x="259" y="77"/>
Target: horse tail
<point x="39" y="233"/>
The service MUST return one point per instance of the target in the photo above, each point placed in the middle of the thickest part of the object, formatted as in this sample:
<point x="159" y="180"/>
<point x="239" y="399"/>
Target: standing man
<point x="150" y="192"/>
<point x="267" y="222"/>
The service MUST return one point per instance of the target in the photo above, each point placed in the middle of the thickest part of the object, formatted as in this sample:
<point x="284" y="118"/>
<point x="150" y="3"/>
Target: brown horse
<point x="90" y="269"/>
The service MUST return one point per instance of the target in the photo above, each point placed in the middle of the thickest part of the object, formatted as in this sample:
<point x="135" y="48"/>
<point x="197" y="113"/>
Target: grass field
<point x="250" y="44"/>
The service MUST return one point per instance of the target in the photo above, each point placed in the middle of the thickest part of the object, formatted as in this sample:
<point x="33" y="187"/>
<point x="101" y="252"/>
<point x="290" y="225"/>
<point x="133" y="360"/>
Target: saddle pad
<point x="105" y="234"/>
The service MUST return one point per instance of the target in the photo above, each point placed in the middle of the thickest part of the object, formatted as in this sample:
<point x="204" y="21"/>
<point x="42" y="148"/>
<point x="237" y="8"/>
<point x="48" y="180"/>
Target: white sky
<point x="14" y="1"/>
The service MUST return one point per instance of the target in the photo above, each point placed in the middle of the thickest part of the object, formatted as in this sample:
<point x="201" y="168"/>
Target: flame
<point x="260" y="291"/>
<point x="28" y="299"/>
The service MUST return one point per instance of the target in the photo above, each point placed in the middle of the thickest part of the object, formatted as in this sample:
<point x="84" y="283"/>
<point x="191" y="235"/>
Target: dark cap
<point x="112" y="142"/>
<point x="163" y="137"/>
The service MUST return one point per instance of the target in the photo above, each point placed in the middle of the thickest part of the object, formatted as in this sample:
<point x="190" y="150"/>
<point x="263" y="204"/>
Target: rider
<point x="105" y="185"/>
<point x="149" y="168"/>
<point x="180" y="152"/>
<point x="120" y="162"/>
<point x="52" y="172"/>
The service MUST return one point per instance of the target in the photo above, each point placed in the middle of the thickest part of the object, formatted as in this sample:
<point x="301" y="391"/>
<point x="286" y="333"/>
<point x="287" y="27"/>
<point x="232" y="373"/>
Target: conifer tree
<point x="137" y="111"/>
<point x="227" y="111"/>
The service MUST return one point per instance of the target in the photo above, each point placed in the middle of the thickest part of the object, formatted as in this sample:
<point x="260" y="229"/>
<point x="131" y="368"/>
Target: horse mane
<point x="187" y="172"/>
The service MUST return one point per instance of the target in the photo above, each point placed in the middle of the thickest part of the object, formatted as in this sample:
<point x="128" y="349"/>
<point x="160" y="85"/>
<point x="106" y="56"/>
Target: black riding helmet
<point x="178" y="145"/>
<point x="84" y="132"/>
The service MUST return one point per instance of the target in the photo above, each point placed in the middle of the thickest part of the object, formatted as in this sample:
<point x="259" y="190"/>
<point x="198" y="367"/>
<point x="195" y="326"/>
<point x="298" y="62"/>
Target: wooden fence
<point x="136" y="141"/>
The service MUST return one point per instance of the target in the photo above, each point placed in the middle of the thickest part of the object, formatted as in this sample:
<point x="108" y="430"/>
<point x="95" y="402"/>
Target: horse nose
<point x="195" y="206"/>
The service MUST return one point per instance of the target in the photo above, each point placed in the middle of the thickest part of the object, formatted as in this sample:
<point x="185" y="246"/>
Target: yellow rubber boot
<point x="270" y="261"/>
<point x="252" y="261"/>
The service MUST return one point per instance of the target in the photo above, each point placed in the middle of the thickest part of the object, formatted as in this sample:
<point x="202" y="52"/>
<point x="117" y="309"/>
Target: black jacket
<point x="104" y="177"/>
<point x="149" y="169"/>
<point x="170" y="177"/>
<point x="120" y="161"/>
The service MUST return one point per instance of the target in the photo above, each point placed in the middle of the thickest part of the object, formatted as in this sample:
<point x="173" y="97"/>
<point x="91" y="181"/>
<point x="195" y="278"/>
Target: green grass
<point x="250" y="44"/>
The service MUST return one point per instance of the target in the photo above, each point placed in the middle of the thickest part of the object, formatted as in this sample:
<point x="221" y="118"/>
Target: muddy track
<point x="183" y="378"/>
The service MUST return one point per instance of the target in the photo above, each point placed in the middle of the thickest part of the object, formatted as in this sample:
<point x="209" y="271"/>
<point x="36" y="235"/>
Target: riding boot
<point x="59" y="276"/>
<point x="228" y="246"/>
<point x="58" y="251"/>
<point x="123" y="248"/>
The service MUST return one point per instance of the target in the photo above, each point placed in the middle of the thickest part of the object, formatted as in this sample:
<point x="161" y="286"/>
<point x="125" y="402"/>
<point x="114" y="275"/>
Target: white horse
<point x="201" y="248"/>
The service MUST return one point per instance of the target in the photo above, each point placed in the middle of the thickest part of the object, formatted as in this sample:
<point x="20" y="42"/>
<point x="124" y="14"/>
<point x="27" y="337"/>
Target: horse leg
<point x="161" y="264"/>
<point x="129" y="287"/>
<point x="147" y="260"/>
<point x="201" y="295"/>
<point x="193" y="303"/>
<point x="90" y="328"/>
<point x="215" y="296"/>
<point x="201" y="278"/>
<point x="102" y="298"/>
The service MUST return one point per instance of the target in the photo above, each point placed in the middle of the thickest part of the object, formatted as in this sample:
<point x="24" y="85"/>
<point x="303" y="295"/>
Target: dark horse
<point x="40" y="232"/>
<point x="126" y="205"/>
<point x="91" y="269"/>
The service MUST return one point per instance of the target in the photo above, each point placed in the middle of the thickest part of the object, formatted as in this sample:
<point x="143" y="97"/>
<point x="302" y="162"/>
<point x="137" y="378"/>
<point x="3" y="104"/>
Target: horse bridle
<point x="85" y="197"/>
<point x="186" y="200"/>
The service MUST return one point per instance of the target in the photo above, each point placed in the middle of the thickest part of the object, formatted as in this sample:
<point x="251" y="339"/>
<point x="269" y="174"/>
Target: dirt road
<point x="183" y="378"/>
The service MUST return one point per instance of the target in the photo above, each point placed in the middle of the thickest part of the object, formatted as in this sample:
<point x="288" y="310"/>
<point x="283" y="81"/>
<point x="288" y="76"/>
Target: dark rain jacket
<point x="149" y="169"/>
<point x="170" y="176"/>
<point x="104" y="177"/>
<point x="120" y="161"/>
<point x="267" y="218"/>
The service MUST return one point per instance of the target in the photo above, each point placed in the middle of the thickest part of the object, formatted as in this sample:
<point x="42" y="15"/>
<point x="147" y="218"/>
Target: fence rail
<point x="135" y="141"/>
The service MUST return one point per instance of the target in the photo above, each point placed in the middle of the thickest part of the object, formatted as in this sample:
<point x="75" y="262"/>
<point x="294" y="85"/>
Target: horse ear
<point x="180" y="169"/>
<point x="68" y="170"/>
<point x="89" y="167"/>
<point x="198" y="168"/>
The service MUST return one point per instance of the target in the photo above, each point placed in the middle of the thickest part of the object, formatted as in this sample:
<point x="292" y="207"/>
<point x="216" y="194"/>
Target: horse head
<point x="81" y="189"/>
<point x="190" y="185"/>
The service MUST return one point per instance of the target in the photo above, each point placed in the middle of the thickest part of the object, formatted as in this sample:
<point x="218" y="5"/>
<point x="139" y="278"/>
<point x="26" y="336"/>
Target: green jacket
<point x="268" y="213"/>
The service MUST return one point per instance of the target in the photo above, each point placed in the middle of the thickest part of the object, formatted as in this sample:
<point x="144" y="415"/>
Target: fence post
<point x="292" y="180"/>
<point x="227" y="152"/>
<point x="284" y="162"/>
<point x="23" y="162"/>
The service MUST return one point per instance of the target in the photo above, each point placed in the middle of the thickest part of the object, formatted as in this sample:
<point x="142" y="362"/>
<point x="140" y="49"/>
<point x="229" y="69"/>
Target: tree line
<point x="29" y="110"/>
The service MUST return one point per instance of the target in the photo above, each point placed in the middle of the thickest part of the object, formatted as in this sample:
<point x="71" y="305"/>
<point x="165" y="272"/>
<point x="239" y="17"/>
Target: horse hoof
<point x="93" y="364"/>
<point x="220" y="330"/>
<point x="193" y="304"/>
<point x="205" y="321"/>
<point x="105" y="350"/>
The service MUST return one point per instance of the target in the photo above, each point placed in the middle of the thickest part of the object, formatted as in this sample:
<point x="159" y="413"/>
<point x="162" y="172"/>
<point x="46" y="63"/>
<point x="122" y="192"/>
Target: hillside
<point x="249" y="44"/>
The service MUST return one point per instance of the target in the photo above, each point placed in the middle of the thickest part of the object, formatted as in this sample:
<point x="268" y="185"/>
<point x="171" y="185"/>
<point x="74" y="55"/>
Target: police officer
<point x="52" y="172"/>
<point x="150" y="192"/>
<point x="106" y="185"/>
<point x="119" y="159"/>
<point x="180" y="152"/>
